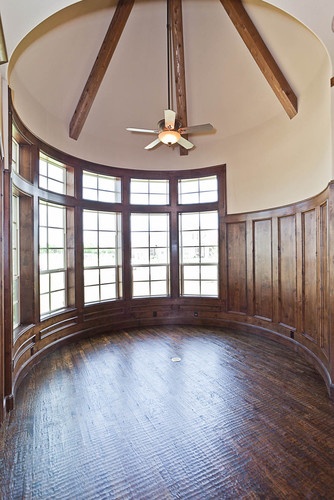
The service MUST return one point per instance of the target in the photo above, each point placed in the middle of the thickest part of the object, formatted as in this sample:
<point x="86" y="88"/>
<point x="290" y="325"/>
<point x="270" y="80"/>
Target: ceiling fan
<point x="170" y="129"/>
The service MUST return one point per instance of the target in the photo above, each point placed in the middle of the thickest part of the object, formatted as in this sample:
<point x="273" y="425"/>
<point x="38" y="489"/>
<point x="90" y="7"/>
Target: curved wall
<point x="275" y="280"/>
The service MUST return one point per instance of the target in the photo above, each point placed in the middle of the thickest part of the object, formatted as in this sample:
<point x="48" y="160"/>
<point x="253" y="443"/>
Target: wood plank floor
<point x="117" y="417"/>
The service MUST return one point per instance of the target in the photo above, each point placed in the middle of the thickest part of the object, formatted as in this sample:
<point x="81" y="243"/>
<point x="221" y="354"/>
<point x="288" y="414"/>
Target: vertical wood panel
<point x="236" y="267"/>
<point x="287" y="271"/>
<point x="309" y="278"/>
<point x="324" y="289"/>
<point x="263" y="281"/>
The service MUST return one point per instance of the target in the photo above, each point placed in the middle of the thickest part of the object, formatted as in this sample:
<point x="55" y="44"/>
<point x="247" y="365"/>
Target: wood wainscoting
<point x="276" y="279"/>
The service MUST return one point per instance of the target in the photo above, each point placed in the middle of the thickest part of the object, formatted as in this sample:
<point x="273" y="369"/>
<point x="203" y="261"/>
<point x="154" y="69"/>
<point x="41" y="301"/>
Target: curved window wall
<point x="95" y="234"/>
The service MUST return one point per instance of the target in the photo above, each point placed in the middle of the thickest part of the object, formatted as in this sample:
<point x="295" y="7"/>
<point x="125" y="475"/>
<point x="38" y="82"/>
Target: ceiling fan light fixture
<point x="169" y="137"/>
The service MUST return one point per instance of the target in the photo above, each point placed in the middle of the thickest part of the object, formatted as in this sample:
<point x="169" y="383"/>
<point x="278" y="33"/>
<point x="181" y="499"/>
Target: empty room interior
<point x="167" y="249"/>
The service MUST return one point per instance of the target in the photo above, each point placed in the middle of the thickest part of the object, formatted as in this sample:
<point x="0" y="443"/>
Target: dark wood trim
<point x="100" y="67"/>
<point x="262" y="56"/>
<point x="179" y="65"/>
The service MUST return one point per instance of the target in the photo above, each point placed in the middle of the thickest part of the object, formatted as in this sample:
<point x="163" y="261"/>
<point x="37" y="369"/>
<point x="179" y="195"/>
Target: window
<point x="149" y="192"/>
<point x="201" y="190"/>
<point x="52" y="257"/>
<point x="52" y="175"/>
<point x="198" y="253"/>
<point x="16" y="260"/>
<point x="150" y="254"/>
<point x="102" y="256"/>
<point x="101" y="187"/>
<point x="15" y="156"/>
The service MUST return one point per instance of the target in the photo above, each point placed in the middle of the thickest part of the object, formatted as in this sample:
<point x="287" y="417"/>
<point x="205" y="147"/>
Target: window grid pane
<point x="52" y="175"/>
<point x="201" y="190"/>
<point x="15" y="156"/>
<point x="52" y="257"/>
<point x="198" y="251"/>
<point x="102" y="256"/>
<point x="149" y="192"/>
<point x="150" y="255"/>
<point x="102" y="188"/>
<point x="16" y="260"/>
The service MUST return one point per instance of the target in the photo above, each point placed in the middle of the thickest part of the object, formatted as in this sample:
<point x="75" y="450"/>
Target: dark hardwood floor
<point x="234" y="416"/>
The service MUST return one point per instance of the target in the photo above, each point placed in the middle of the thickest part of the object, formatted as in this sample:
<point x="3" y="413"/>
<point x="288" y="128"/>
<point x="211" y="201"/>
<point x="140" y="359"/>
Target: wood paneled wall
<point x="276" y="281"/>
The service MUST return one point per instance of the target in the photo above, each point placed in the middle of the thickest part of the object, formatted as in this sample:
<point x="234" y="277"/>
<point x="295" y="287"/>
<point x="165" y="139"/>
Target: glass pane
<point x="161" y="187"/>
<point x="158" y="239"/>
<point x="138" y="186"/>
<point x="190" y="255"/>
<point x="91" y="277"/>
<point x="43" y="240"/>
<point x="189" y="198"/>
<point x="42" y="214"/>
<point x="209" y="254"/>
<point x="190" y="238"/>
<point x="158" y="288"/>
<point x="56" y="173"/>
<point x="139" y="239"/>
<point x="43" y="182"/>
<point x="57" y="281"/>
<point x="56" y="216"/>
<point x="191" y="272"/>
<point x="141" y="289"/>
<point x="56" y="259"/>
<point x="159" y="222"/>
<point x="89" y="180"/>
<point x="108" y="292"/>
<point x="140" y="256"/>
<point x="44" y="304"/>
<point x="89" y="194"/>
<point x="139" y="222"/>
<point x="55" y="238"/>
<point x="106" y="239"/>
<point x="107" y="257"/>
<point x="141" y="273"/>
<point x="209" y="220"/>
<point x="158" y="273"/>
<point x="107" y="221"/>
<point x="90" y="239"/>
<point x="107" y="275"/>
<point x="209" y="272"/>
<point x="43" y="260"/>
<point x="208" y="197"/>
<point x="188" y="186"/>
<point x="158" y="199"/>
<point x="92" y="294"/>
<point x="209" y="237"/>
<point x="159" y="255"/>
<point x="208" y="183"/>
<point x="91" y="258"/>
<point x="189" y="221"/>
<point x="191" y="287"/>
<point x="57" y="300"/>
<point x="139" y="199"/>
<point x="89" y="220"/>
<point x="44" y="283"/>
<point x="209" y="288"/>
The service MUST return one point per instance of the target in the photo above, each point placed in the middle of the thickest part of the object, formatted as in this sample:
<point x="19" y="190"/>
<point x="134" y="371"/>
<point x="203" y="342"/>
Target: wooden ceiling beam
<point x="179" y="66"/>
<point x="100" y="67"/>
<point x="262" y="55"/>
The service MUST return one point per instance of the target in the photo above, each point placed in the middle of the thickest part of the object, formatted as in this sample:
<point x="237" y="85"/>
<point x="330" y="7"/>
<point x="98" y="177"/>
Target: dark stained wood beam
<point x="179" y="66"/>
<point x="100" y="67"/>
<point x="262" y="55"/>
<point x="332" y="81"/>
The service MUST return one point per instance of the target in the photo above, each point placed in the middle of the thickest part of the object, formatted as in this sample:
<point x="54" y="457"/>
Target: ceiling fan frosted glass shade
<point x="169" y="136"/>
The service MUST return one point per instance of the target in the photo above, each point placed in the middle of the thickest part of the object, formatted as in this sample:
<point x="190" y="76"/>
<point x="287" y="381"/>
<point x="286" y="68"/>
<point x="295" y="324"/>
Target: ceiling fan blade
<point x="145" y="130"/>
<point x="153" y="144"/>
<point x="170" y="116"/>
<point x="184" y="143"/>
<point x="205" y="127"/>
